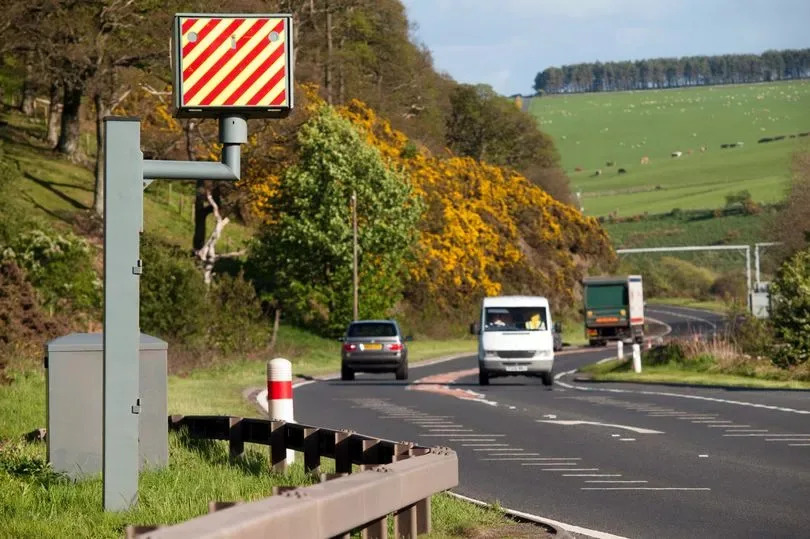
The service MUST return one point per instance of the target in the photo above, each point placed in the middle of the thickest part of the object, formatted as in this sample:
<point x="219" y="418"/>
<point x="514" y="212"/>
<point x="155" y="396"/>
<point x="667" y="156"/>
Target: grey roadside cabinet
<point x="74" y="387"/>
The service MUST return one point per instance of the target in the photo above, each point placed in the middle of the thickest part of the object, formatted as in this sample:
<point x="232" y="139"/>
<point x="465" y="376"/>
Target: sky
<point x="505" y="43"/>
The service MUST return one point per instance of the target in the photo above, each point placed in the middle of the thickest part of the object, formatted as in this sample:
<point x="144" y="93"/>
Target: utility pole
<point x="354" y="252"/>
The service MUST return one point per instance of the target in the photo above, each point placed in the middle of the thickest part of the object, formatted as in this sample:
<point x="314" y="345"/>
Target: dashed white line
<point x="472" y="440"/>
<point x="452" y="430"/>
<point x="627" y="439"/>
<point x="613" y="481"/>
<point x="512" y="458"/>
<point x="467" y="435"/>
<point x="787" y="439"/>
<point x="482" y="445"/>
<point x="711" y="421"/>
<point x="769" y="435"/>
<point x="570" y="469"/>
<point x="799" y="445"/>
<point x="591" y="475"/>
<point x="644" y="488"/>
<point x="745" y="430"/>
<point x="498" y="449"/>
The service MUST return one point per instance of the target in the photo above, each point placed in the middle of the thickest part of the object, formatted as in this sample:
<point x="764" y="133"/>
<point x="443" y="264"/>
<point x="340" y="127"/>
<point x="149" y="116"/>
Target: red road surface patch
<point x="440" y="383"/>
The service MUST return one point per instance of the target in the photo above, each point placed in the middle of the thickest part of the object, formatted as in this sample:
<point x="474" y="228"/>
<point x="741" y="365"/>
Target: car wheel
<point x="346" y="373"/>
<point x="402" y="371"/>
<point x="483" y="377"/>
<point x="548" y="380"/>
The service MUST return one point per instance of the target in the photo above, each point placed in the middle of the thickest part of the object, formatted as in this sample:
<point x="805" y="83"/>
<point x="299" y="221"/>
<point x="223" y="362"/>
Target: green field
<point x="690" y="229"/>
<point x="623" y="127"/>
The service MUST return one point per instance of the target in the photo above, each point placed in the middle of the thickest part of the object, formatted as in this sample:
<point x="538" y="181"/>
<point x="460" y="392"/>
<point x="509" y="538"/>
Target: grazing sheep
<point x="677" y="154"/>
<point x="609" y="163"/>
<point x="703" y="148"/>
<point x="645" y="160"/>
<point x="622" y="171"/>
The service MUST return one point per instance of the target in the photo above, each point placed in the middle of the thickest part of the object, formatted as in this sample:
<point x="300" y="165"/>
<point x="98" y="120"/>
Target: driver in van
<point x="536" y="322"/>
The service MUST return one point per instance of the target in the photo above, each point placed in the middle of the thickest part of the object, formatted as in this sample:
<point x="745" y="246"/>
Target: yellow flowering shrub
<point x="486" y="230"/>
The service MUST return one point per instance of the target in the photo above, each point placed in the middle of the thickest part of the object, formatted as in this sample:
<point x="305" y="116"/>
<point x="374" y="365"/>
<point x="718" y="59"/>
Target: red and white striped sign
<point x="233" y="62"/>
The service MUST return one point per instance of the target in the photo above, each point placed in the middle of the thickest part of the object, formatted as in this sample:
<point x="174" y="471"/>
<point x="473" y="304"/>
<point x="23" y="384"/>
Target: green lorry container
<point x="614" y="309"/>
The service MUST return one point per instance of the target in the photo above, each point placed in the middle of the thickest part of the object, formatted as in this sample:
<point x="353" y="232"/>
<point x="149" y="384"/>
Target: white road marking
<point x="511" y="458"/>
<point x="644" y="488"/>
<point x="467" y="435"/>
<point x="627" y="439"/>
<point x="596" y="423"/>
<point x="745" y="430"/>
<point x="679" y="395"/>
<point x="727" y="426"/>
<point x="616" y="435"/>
<point x="451" y="430"/>
<point x="517" y="454"/>
<point x="591" y="475"/>
<point x="472" y="439"/>
<point x="554" y="463"/>
<point x="771" y="435"/>
<point x="787" y="439"/>
<point x="711" y="421"/>
<point x="703" y="456"/>
<point x="570" y="469"/>
<point x="483" y="445"/>
<point x="502" y="449"/>
<point x="567" y="527"/>
<point x="799" y="445"/>
<point x="697" y="417"/>
<point x="609" y="481"/>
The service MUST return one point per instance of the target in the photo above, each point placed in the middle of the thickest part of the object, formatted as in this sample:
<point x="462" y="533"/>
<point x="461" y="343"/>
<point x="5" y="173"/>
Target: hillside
<point x="592" y="130"/>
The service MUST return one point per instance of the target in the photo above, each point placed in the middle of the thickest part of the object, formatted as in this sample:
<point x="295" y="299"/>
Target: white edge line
<point x="542" y="520"/>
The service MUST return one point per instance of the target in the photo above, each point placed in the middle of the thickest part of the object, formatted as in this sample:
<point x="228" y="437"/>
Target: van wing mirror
<point x="474" y="329"/>
<point x="558" y="327"/>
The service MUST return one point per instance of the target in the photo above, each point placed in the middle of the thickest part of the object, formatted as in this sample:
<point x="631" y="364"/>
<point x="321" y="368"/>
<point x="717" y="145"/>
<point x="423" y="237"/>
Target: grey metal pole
<point x="756" y="266"/>
<point x="354" y="254"/>
<point x="123" y="218"/>
<point x="748" y="269"/>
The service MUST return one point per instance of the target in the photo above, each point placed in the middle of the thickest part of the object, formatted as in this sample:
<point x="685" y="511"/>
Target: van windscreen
<point x="515" y="319"/>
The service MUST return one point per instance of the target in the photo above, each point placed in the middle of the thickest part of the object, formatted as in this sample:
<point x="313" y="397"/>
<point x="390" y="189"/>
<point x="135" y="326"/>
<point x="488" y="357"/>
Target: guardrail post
<point x="405" y="522"/>
<point x="312" y="451"/>
<point x="278" y="446"/>
<point x="376" y="530"/>
<point x="370" y="454"/>
<point x="213" y="507"/>
<point x="424" y="524"/>
<point x="134" y="531"/>
<point x="236" y="443"/>
<point x="343" y="457"/>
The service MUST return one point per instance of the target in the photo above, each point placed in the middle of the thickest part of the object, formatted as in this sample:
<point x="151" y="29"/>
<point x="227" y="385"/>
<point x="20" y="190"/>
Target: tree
<point x="791" y="226"/>
<point x="488" y="127"/>
<point x="303" y="257"/>
<point x="790" y="314"/>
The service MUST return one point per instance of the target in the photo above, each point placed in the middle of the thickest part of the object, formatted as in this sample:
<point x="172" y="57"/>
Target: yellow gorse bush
<point x="486" y="230"/>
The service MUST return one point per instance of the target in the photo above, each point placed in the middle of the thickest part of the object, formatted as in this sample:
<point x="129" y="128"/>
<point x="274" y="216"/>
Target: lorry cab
<point x="515" y="338"/>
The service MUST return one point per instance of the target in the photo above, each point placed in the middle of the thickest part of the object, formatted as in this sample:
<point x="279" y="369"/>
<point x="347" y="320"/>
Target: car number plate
<point x="516" y="368"/>
<point x="371" y="346"/>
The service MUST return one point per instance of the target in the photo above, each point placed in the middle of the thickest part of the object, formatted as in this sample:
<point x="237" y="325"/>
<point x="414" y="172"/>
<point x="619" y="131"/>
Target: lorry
<point x="614" y="309"/>
<point x="515" y="338"/>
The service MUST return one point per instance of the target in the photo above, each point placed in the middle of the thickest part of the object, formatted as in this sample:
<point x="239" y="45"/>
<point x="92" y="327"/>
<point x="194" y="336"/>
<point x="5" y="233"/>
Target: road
<point x="629" y="460"/>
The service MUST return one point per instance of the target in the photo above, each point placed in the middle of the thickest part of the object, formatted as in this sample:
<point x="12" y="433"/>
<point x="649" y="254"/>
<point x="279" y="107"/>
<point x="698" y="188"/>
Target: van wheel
<point x="483" y="377"/>
<point x="346" y="373"/>
<point x="402" y="371"/>
<point x="548" y="380"/>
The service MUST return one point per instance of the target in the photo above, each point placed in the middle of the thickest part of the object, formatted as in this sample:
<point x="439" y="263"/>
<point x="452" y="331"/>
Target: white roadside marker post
<point x="636" y="359"/>
<point x="280" y="395"/>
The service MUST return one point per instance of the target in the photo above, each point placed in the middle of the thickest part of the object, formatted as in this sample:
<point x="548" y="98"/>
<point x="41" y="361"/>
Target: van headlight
<point x="490" y="354"/>
<point x="543" y="354"/>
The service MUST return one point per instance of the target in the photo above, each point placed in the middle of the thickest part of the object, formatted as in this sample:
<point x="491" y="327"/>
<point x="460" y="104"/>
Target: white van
<point x="514" y="338"/>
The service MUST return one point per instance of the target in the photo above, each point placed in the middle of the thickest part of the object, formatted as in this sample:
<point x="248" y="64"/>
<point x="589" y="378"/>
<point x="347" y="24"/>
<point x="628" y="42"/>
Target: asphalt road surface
<point x="613" y="459"/>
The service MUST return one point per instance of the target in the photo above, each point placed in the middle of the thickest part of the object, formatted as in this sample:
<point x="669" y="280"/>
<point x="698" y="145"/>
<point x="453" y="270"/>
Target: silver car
<point x="374" y="346"/>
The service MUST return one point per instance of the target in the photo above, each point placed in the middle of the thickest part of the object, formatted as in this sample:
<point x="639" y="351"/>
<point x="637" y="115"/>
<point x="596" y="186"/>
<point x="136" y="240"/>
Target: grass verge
<point x="675" y="373"/>
<point x="715" y="306"/>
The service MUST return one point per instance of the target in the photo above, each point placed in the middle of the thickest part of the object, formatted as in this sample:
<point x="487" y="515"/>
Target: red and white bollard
<point x="279" y="394"/>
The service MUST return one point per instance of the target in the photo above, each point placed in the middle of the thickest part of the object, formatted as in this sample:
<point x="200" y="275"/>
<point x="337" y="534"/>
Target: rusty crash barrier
<point x="397" y="478"/>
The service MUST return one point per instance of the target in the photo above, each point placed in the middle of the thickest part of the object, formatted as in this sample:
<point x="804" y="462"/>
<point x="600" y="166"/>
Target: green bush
<point x="59" y="265"/>
<point x="237" y="321"/>
<point x="790" y="314"/>
<point x="173" y="295"/>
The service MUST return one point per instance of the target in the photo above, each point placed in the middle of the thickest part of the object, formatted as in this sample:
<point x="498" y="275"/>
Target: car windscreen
<point x="515" y="319"/>
<point x="372" y="329"/>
